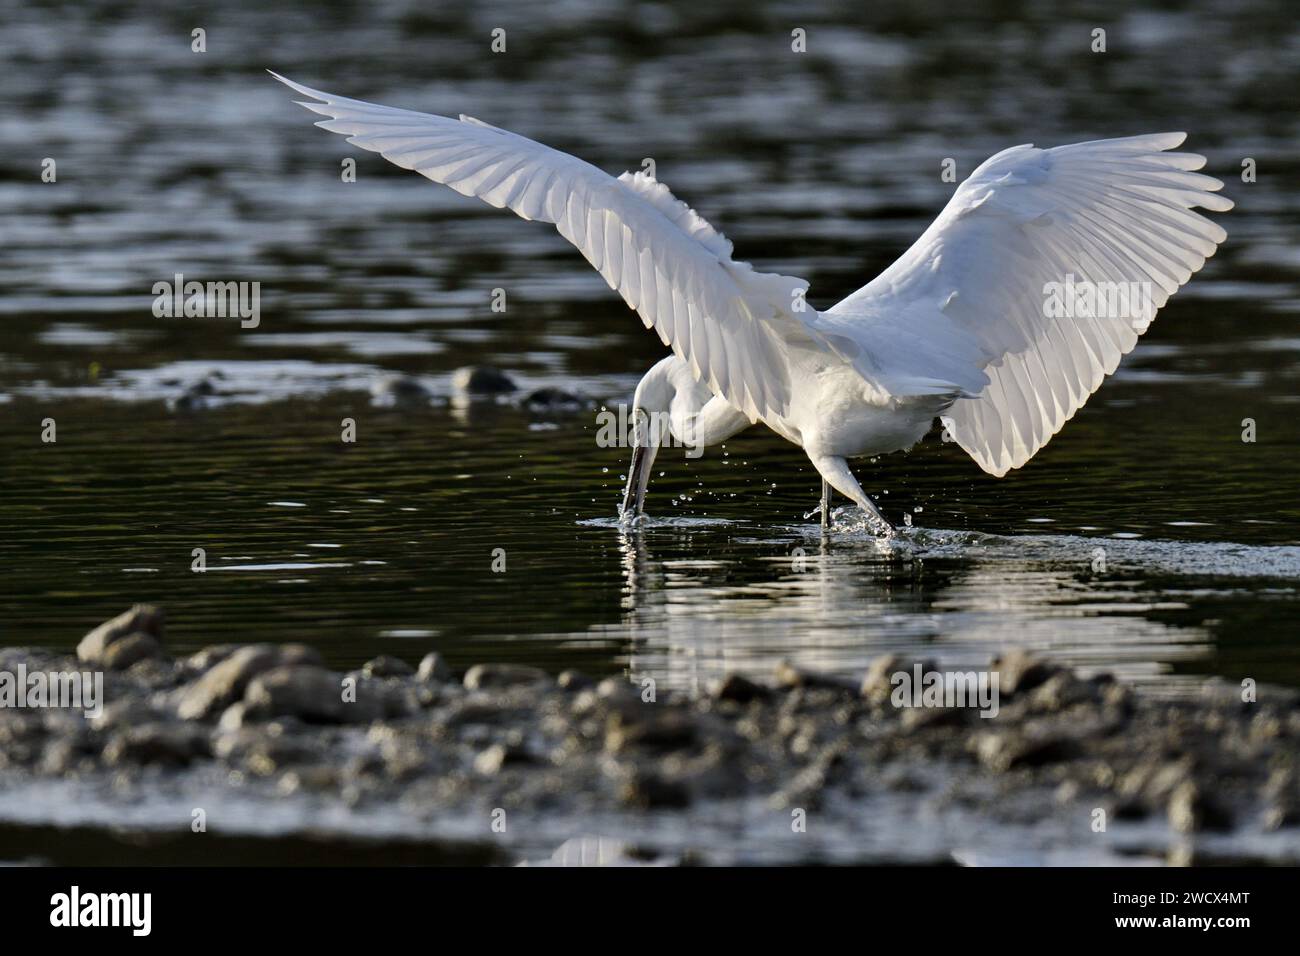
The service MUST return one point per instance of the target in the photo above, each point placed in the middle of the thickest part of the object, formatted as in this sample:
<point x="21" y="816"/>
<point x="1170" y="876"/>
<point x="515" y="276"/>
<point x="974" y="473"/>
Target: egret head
<point x="650" y="414"/>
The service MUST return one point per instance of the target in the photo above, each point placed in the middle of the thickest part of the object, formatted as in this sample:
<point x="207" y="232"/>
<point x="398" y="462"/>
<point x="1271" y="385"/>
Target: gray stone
<point x="1019" y="671"/>
<point x="126" y="651"/>
<point x="877" y="683"/>
<point x="647" y="790"/>
<point x="267" y="749"/>
<point x="483" y="676"/>
<point x="433" y="669"/>
<point x="314" y="695"/>
<point x="1010" y="751"/>
<point x="667" y="730"/>
<point x="233" y="717"/>
<point x="1062" y="691"/>
<point x="170" y="745"/>
<point x="1192" y="809"/>
<point x="790" y="677"/>
<point x="125" y="713"/>
<point x="386" y="666"/>
<point x="227" y="681"/>
<point x="1282" y="814"/>
<point x="573" y="681"/>
<point x="208" y="657"/>
<point x="494" y="758"/>
<point x="142" y="619"/>
<point x="733" y="687"/>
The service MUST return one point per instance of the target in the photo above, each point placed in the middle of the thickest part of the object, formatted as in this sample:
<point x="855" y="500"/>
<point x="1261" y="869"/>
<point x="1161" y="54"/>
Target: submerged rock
<point x="198" y="395"/>
<point x="551" y="399"/>
<point x="399" y="391"/>
<point x="482" y="380"/>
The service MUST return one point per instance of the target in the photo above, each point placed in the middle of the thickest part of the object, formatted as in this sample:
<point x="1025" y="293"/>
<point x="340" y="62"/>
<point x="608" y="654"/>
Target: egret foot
<point x="835" y="473"/>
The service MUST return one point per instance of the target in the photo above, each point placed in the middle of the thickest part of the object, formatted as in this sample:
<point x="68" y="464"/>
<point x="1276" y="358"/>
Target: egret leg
<point x="836" y="472"/>
<point x="826" y="504"/>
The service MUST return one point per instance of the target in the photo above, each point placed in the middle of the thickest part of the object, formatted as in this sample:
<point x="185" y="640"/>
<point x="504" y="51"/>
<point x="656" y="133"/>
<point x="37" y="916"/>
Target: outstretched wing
<point x="732" y="325"/>
<point x="984" y="288"/>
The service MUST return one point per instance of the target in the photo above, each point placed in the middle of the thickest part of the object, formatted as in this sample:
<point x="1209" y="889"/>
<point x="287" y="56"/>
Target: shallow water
<point x="1147" y="539"/>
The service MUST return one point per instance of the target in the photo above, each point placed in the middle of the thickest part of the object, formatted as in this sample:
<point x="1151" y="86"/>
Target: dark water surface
<point x="1147" y="538"/>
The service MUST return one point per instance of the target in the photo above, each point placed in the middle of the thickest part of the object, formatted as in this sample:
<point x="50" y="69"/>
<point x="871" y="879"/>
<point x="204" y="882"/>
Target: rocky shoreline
<point x="504" y="746"/>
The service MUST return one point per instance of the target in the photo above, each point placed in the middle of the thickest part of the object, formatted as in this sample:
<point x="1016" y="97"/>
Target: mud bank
<point x="263" y="741"/>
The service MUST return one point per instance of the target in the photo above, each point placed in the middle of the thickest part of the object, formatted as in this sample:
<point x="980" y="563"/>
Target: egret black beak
<point x="638" y="478"/>
<point x="645" y="446"/>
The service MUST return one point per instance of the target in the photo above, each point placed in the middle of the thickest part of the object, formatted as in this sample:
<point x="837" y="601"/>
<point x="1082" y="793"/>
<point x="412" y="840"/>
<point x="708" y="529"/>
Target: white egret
<point x="967" y="326"/>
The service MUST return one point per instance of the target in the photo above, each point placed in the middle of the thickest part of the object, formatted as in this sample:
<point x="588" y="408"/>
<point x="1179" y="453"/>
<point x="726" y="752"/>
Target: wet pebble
<point x="130" y="649"/>
<point x="225" y="682"/>
<point x="482" y="676"/>
<point x="494" y="758"/>
<point x="386" y="666"/>
<point x="1192" y="808"/>
<point x="433" y="669"/>
<point x="309" y="693"/>
<point x="144" y="619"/>
<point x="790" y="677"/>
<point x="646" y="790"/>
<point x="172" y="745"/>
<point x="740" y="689"/>
<point x="659" y="732"/>
<point x="1019" y="671"/>
<point x="572" y="681"/>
